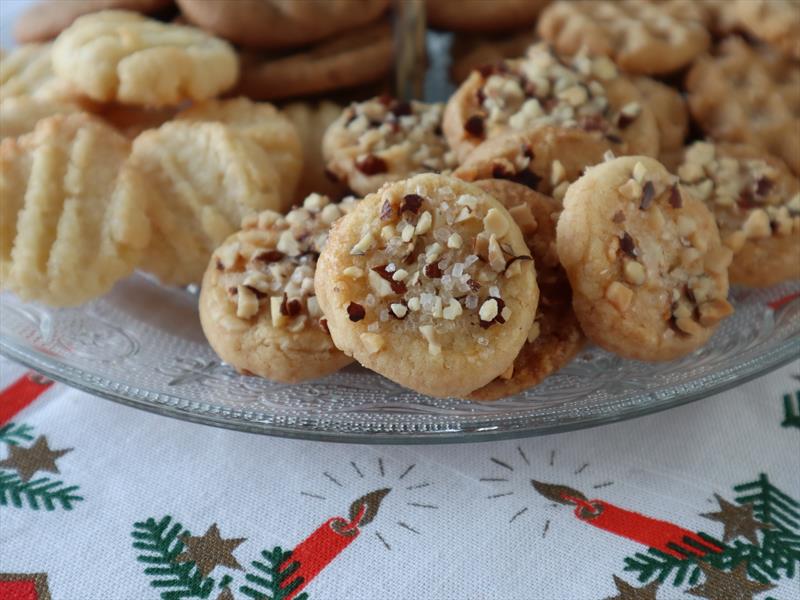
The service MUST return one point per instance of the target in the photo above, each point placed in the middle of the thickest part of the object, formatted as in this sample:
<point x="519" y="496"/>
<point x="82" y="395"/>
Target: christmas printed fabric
<point x="99" y="501"/>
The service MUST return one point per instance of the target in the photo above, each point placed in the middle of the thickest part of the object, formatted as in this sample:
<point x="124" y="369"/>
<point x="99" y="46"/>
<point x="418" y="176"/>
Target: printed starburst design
<point x="404" y="501"/>
<point x="511" y="478"/>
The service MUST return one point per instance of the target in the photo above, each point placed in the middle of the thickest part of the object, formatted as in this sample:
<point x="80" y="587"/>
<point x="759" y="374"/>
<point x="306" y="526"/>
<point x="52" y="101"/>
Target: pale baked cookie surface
<point x="429" y="283"/>
<point x="649" y="273"/>
<point x="555" y="336"/>
<point x="280" y="23"/>
<point x="542" y="89"/>
<point x="383" y="139"/>
<point x="44" y="20"/>
<point x="546" y="159"/>
<point x="73" y="213"/>
<point x="776" y="22"/>
<point x="642" y="37"/>
<point x="208" y="178"/>
<point x="28" y="71"/>
<point x="263" y="124"/>
<point x="19" y="114"/>
<point x="749" y="95"/>
<point x="311" y="122"/>
<point x="670" y="110"/>
<point x="480" y="15"/>
<point x="257" y="304"/>
<point x="123" y="56"/>
<point x="350" y="59"/>
<point x="756" y="202"/>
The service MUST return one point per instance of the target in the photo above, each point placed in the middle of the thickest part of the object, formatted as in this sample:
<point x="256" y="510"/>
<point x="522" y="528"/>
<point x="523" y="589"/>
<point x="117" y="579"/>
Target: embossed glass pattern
<point x="142" y="345"/>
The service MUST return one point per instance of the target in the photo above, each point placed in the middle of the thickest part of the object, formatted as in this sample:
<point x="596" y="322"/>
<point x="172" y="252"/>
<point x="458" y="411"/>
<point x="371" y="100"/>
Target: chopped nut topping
<point x="495" y="223"/>
<point x="619" y="295"/>
<point x="557" y="173"/>
<point x="489" y="310"/>
<point x="634" y="272"/>
<point x="364" y="244"/>
<point x="639" y="172"/>
<point x="353" y="272"/>
<point x="757" y="225"/>
<point x="454" y="241"/>
<point x="399" y="310"/>
<point x="433" y="347"/>
<point x="373" y="342"/>
<point x="631" y="190"/>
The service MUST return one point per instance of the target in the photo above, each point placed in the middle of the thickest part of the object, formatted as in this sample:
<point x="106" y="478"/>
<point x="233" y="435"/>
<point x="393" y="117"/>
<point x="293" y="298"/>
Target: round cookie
<point x="542" y="89"/>
<point x="311" y="121"/>
<point x="482" y="16"/>
<point x="44" y="20"/>
<point x="545" y="159"/>
<point x="280" y="23"/>
<point x="648" y="271"/>
<point x="748" y="95"/>
<point x="641" y="37"/>
<point x="777" y="22"/>
<point x="125" y="57"/>
<point x="73" y="213"/>
<point x="263" y="124"/>
<point x="28" y="71"/>
<point x="257" y="303"/>
<point x="429" y="282"/>
<point x="350" y="59"/>
<point x="19" y="114"/>
<point x="208" y="178"/>
<point x="756" y="202"/>
<point x="669" y="108"/>
<point x="383" y="139"/>
<point x="555" y="337"/>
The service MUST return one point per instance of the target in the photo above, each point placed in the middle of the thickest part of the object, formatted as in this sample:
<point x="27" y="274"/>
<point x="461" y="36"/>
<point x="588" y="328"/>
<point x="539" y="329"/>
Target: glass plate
<point x="142" y="345"/>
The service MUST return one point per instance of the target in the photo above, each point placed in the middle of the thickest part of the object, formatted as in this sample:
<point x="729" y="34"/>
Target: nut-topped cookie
<point x="756" y="202"/>
<point x="748" y="95"/>
<point x="649" y="273"/>
<point x="384" y="139"/>
<point x="777" y="22"/>
<point x="429" y="282"/>
<point x="546" y="159"/>
<point x="257" y="304"/>
<point x="555" y="336"/>
<point x="543" y="89"/>
<point x="642" y="37"/>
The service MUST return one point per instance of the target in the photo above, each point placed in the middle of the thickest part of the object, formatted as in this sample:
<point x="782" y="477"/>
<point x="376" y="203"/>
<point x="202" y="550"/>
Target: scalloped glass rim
<point x="118" y="348"/>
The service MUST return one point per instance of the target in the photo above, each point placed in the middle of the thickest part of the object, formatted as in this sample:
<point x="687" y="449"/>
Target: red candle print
<point x="781" y="302"/>
<point x="20" y="394"/>
<point x="317" y="551"/>
<point x="654" y="533"/>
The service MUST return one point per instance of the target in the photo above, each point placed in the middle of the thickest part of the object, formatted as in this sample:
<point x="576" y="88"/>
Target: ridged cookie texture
<point x="122" y="56"/>
<point x="72" y="211"/>
<point x="266" y="126"/>
<point x="208" y="178"/>
<point x="28" y="71"/>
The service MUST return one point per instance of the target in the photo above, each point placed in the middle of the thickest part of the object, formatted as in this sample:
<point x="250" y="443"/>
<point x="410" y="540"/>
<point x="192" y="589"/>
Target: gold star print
<point x="733" y="585"/>
<point x="39" y="457"/>
<point x="210" y="550"/>
<point x="738" y="520"/>
<point x="628" y="592"/>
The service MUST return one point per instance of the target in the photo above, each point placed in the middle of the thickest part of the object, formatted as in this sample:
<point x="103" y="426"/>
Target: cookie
<point x="543" y="89"/>
<point x="555" y="336"/>
<point x="257" y="304"/>
<point x="208" y="177"/>
<point x="122" y="56"/>
<point x="280" y="23"/>
<point x="748" y="95"/>
<point x="641" y="37"/>
<point x="311" y="121"/>
<point x="28" y="71"/>
<point x="648" y="271"/>
<point x="44" y="20"/>
<point x="470" y="52"/>
<point x="263" y="124"/>
<point x="756" y="202"/>
<point x="545" y="159"/>
<point x="383" y="139"/>
<point x="429" y="282"/>
<point x="482" y="16"/>
<point x="73" y="211"/>
<point x="19" y="114"/>
<point x="669" y="108"/>
<point x="347" y="60"/>
<point x="777" y="22"/>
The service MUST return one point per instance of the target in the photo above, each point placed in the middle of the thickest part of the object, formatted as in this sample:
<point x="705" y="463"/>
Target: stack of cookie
<point x="555" y="198"/>
<point x="286" y="48"/>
